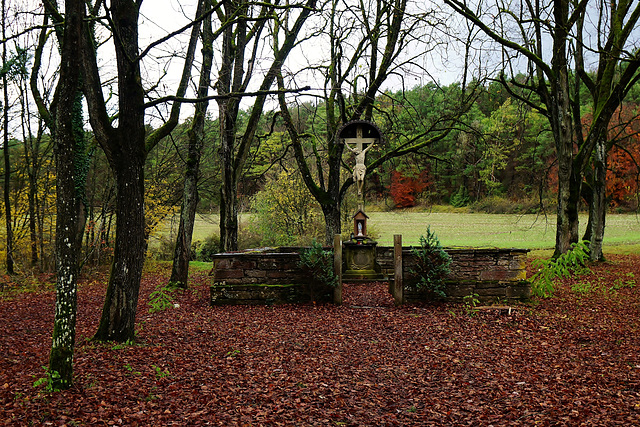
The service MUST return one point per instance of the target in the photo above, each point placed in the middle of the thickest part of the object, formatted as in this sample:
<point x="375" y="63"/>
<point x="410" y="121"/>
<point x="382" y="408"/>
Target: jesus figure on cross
<point x="362" y="145"/>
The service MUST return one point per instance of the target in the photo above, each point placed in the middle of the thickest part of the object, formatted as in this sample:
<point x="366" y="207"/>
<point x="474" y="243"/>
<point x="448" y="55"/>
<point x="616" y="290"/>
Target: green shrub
<point x="494" y="205"/>
<point x="319" y="263"/>
<point x="205" y="250"/>
<point x="571" y="263"/>
<point x="249" y="238"/>
<point x="163" y="250"/>
<point x="505" y="205"/>
<point x="161" y="299"/>
<point x="432" y="264"/>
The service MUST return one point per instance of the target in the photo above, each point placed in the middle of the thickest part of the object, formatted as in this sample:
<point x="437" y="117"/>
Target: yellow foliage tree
<point x="285" y="212"/>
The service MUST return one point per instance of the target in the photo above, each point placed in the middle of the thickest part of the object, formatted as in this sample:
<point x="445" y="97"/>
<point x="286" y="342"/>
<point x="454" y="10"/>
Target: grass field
<point x="505" y="231"/>
<point x="467" y="229"/>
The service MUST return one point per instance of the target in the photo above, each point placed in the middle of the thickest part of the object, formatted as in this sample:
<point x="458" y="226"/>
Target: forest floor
<point x="573" y="359"/>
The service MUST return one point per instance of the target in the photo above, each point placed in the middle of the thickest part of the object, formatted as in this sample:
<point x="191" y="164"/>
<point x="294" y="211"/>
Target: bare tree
<point x="6" y="67"/>
<point x="68" y="137"/>
<point x="524" y="31"/>
<point x="367" y="45"/>
<point x="242" y="41"/>
<point x="616" y="74"/>
<point x="190" y="198"/>
<point x="126" y="145"/>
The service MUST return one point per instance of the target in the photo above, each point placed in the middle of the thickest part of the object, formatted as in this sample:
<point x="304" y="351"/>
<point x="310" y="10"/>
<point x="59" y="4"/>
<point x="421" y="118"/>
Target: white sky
<point x="160" y="17"/>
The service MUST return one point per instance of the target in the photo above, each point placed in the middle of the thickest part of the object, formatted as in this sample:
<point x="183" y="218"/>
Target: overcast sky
<point x="160" y="17"/>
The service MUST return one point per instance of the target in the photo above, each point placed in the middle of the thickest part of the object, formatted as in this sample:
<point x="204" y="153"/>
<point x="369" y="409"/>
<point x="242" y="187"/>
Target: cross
<point x="362" y="144"/>
<point x="359" y="141"/>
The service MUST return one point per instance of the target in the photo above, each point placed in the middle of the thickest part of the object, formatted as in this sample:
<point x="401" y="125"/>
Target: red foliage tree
<point x="622" y="173"/>
<point x="404" y="189"/>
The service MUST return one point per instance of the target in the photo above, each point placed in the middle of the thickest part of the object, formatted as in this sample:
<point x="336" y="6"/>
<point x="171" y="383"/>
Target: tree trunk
<point x="33" y="234"/>
<point x="228" y="207"/>
<point x="31" y="159"/>
<point x="559" y="104"/>
<point x="182" y="253"/>
<point x="332" y="220"/>
<point x="229" y="80"/>
<point x="117" y="322"/>
<point x="125" y="148"/>
<point x="598" y="205"/>
<point x="67" y="250"/>
<point x="7" y="163"/>
<point x="569" y="185"/>
<point x="68" y="134"/>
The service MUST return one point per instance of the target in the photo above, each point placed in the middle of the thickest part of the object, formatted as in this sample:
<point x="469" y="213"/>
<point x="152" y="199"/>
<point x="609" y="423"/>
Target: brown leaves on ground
<point x="570" y="360"/>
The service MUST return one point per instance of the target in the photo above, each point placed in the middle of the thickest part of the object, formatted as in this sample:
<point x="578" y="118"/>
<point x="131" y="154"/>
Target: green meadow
<point x="465" y="229"/>
<point x="493" y="230"/>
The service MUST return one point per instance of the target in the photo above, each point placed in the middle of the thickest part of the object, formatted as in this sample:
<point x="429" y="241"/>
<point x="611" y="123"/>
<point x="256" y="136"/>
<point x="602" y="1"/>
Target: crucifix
<point x="359" y="145"/>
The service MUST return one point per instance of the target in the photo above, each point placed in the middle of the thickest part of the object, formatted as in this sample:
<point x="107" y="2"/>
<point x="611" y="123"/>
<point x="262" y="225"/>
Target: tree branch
<point x="173" y="98"/>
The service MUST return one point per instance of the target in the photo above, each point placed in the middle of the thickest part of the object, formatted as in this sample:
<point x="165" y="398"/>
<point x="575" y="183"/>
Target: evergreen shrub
<point x="432" y="264"/>
<point x="319" y="263"/>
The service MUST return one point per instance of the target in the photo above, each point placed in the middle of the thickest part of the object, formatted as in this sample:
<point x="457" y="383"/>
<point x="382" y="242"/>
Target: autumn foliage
<point x="623" y="158"/>
<point x="567" y="360"/>
<point x="404" y="189"/>
<point x="622" y="173"/>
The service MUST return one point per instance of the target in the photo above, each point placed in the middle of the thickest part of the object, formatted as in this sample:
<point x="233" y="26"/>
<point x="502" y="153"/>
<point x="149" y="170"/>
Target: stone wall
<point x="267" y="267"/>
<point x="266" y="276"/>
<point x="228" y="294"/>
<point x="273" y="276"/>
<point x="490" y="273"/>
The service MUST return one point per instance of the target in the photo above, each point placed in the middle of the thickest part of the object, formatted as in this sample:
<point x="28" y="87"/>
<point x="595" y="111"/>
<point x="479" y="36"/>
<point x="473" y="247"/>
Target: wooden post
<point x="398" y="287"/>
<point x="337" y="268"/>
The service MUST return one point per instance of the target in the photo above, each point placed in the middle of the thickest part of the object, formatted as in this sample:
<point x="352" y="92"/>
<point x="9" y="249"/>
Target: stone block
<point x="520" y="290"/>
<point x="259" y="294"/>
<point x="223" y="274"/>
<point x="496" y="291"/>
<point x="517" y="264"/>
<point x="267" y="264"/>
<point x="501" y="275"/>
<point x="238" y="281"/>
<point x="255" y="273"/>
<point x="454" y="290"/>
<point x="277" y="274"/>
<point x="242" y="264"/>
<point x="222" y="263"/>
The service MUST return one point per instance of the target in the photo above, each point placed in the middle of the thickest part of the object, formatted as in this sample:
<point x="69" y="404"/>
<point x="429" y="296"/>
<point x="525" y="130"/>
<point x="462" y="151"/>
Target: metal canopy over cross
<point x="359" y="142"/>
<point x="359" y="134"/>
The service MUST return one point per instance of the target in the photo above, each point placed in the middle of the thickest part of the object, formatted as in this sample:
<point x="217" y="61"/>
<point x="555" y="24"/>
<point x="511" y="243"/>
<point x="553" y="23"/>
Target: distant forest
<point x="498" y="157"/>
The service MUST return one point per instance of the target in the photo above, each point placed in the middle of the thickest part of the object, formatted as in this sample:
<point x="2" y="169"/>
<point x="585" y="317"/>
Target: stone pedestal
<point x="360" y="261"/>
